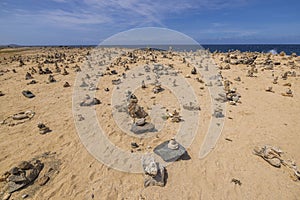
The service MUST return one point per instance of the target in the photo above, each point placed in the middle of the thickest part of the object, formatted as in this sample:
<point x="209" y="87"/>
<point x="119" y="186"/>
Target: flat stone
<point x="32" y="174"/>
<point x="28" y="94"/>
<point x="14" y="170"/>
<point x="90" y="102"/>
<point x="4" y="176"/>
<point x="191" y="106"/>
<point x="12" y="186"/>
<point x="24" y="165"/>
<point x="6" y="196"/>
<point x="43" y="180"/>
<point x="17" y="178"/>
<point x="140" y="122"/>
<point x="167" y="154"/>
<point x="148" y="127"/>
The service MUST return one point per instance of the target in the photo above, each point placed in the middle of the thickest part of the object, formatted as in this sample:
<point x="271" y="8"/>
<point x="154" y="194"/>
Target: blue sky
<point x="67" y="22"/>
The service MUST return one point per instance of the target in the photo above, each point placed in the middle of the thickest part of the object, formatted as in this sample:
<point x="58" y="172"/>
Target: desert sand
<point x="230" y="171"/>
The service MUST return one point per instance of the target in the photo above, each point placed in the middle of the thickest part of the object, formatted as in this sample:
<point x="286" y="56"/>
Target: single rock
<point x="51" y="79"/>
<point x="147" y="127"/>
<point x="237" y="78"/>
<point x="28" y="94"/>
<point x="6" y="196"/>
<point x="67" y="84"/>
<point x="14" y="171"/>
<point x="83" y="84"/>
<point x="32" y="82"/>
<point x="90" y="102"/>
<point x="43" y="180"/>
<point x="269" y="89"/>
<point x="140" y="122"/>
<point x="4" y="176"/>
<point x="194" y="71"/>
<point x="24" y="165"/>
<point x="143" y="84"/>
<point x="65" y="72"/>
<point x="134" y="145"/>
<point x="28" y="76"/>
<point x="33" y="173"/>
<point x="17" y="178"/>
<point x="12" y="186"/>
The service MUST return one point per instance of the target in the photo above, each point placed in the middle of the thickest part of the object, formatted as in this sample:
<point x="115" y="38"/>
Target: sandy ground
<point x="261" y="118"/>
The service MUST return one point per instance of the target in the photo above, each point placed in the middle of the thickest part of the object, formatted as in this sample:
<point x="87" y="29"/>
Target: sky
<point x="89" y="22"/>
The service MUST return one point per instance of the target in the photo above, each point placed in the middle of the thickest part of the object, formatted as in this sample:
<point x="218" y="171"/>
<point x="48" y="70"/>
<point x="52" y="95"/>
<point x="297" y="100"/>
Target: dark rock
<point x="65" y="72"/>
<point x="33" y="173"/>
<point x="134" y="145"/>
<point x="47" y="71"/>
<point x="24" y="165"/>
<point x="51" y="79"/>
<point x="32" y="82"/>
<point x="66" y="84"/>
<point x="116" y="82"/>
<point x="17" y="178"/>
<point x="194" y="71"/>
<point x="148" y="127"/>
<point x="192" y="106"/>
<point x="90" y="102"/>
<point x="28" y="76"/>
<point x="14" y="171"/>
<point x="167" y="154"/>
<point x="113" y="72"/>
<point x="28" y="94"/>
<point x="12" y="186"/>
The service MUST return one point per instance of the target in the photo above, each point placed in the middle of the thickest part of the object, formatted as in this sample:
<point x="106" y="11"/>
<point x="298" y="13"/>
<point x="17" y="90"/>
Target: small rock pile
<point x="231" y="94"/>
<point x="135" y="111"/>
<point x="21" y="175"/>
<point x="154" y="172"/>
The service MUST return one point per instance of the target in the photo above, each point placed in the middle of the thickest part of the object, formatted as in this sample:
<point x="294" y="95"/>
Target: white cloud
<point x="118" y="13"/>
<point x="77" y="18"/>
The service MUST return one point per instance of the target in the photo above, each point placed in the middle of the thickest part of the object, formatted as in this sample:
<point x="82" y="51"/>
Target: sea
<point x="261" y="48"/>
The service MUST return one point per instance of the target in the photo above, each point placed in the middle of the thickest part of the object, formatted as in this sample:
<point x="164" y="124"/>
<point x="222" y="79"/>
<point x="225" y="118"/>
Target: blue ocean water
<point x="262" y="48"/>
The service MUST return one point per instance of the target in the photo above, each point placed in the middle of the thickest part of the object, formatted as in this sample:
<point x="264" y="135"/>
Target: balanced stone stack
<point x="154" y="172"/>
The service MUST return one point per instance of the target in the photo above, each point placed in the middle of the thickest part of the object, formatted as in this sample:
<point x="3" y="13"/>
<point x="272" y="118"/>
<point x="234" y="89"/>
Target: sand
<point x="260" y="118"/>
